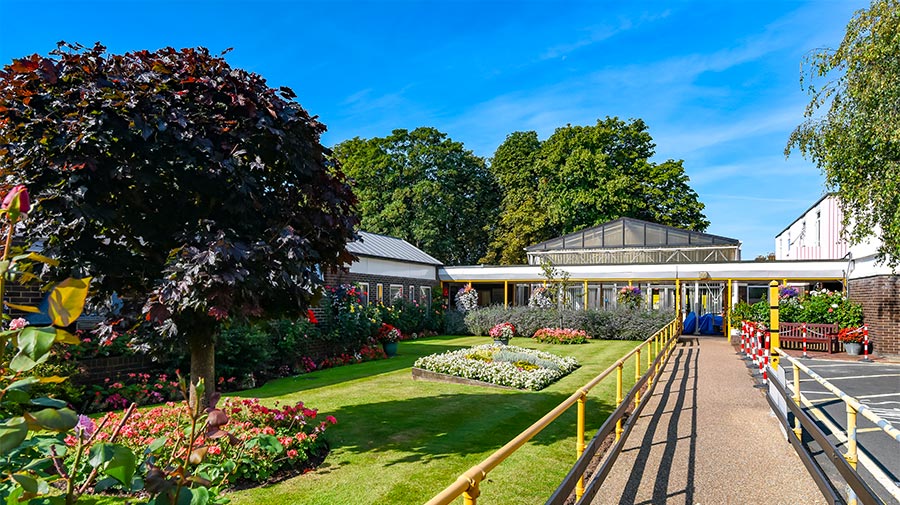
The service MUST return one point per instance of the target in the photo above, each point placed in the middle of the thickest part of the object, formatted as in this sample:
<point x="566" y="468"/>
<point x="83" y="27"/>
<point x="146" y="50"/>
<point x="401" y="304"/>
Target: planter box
<point x="428" y="375"/>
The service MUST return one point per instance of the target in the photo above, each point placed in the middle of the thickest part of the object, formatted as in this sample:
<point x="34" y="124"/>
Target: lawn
<point x="402" y="441"/>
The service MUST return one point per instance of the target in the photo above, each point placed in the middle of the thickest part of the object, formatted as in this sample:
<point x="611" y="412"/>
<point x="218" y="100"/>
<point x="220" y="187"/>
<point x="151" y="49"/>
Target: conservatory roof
<point x="383" y="246"/>
<point x="630" y="233"/>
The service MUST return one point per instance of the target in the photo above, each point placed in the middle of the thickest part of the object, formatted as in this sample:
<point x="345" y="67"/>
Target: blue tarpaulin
<point x="690" y="323"/>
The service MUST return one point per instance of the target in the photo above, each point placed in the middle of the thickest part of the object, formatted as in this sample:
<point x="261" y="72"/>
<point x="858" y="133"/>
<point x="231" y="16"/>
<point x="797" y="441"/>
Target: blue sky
<point x="717" y="82"/>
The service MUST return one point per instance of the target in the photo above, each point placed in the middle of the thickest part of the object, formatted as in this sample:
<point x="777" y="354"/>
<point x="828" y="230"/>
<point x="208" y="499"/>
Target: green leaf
<point x="49" y="402"/>
<point x="32" y="256"/>
<point x="200" y="496"/>
<point x="13" y="498"/>
<point x="53" y="419"/>
<point x="17" y="396"/>
<point x="34" y="348"/>
<point x="65" y="301"/>
<point x="12" y="433"/>
<point x="100" y="454"/>
<point x="114" y="460"/>
<point x="23" y="384"/>
<point x="28" y="483"/>
<point x="64" y="337"/>
<point x="156" y="445"/>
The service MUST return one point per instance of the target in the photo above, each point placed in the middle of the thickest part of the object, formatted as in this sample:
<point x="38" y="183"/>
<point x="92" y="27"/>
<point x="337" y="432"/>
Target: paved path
<point x="707" y="437"/>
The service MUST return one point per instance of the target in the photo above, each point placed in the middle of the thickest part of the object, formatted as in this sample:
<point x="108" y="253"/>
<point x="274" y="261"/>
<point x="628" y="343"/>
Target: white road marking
<point x="889" y="485"/>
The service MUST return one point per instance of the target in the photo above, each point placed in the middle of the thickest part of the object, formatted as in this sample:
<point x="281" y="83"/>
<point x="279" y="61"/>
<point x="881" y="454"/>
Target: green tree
<point x="425" y="188"/>
<point x="583" y="176"/>
<point x="521" y="220"/>
<point x="852" y="126"/>
<point x="188" y="188"/>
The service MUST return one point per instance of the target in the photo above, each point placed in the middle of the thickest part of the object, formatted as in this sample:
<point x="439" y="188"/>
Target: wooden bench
<point x="819" y="337"/>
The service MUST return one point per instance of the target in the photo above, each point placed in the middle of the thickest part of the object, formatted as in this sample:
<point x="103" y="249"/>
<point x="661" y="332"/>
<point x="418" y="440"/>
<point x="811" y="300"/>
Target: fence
<point x="659" y="346"/>
<point x="858" y="490"/>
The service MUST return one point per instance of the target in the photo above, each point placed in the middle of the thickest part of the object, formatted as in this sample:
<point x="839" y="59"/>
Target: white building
<point x="815" y="235"/>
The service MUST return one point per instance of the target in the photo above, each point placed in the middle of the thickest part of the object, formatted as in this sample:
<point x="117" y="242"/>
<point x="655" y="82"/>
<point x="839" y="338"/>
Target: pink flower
<point x="18" y="323"/>
<point x="331" y="419"/>
<point x="215" y="450"/>
<point x="292" y="453"/>
<point x="85" y="427"/>
<point x="17" y="199"/>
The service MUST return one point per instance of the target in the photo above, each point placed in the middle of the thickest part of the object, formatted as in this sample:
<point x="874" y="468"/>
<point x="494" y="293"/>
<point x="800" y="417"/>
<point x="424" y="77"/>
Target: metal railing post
<point x="649" y="364"/>
<point x="637" y="377"/>
<point x="470" y="495"/>
<point x="579" y="446"/>
<point x="851" y="455"/>
<point x="798" y="428"/>
<point x="619" y="370"/>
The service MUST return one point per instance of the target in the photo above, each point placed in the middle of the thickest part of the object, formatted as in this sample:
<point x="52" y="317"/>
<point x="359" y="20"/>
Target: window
<point x="380" y="294"/>
<point x="364" y="287"/>
<point x="412" y="293"/>
<point x="425" y="295"/>
<point x="396" y="292"/>
<point x="818" y="228"/>
<point x="787" y="252"/>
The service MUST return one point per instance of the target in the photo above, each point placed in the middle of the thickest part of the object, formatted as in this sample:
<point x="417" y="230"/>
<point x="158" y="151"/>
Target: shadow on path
<point x="678" y="398"/>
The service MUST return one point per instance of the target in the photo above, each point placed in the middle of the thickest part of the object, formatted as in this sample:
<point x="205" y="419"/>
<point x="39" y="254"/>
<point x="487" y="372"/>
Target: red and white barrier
<point x="865" y="344"/>
<point x="803" y="330"/>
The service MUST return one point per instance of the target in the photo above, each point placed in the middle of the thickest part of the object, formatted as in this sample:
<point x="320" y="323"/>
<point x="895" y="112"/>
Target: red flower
<point x="311" y="316"/>
<point x="17" y="199"/>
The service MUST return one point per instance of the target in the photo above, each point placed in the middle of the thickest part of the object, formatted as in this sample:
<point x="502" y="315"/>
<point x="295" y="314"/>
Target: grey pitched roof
<point x="382" y="246"/>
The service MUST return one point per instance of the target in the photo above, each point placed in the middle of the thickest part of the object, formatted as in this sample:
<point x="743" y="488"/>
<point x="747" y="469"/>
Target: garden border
<point x="428" y="375"/>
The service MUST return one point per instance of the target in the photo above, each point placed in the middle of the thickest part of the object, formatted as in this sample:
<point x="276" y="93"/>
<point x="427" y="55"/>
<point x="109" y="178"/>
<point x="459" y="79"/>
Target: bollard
<point x="803" y="330"/>
<point x="866" y="345"/>
<point x="743" y="325"/>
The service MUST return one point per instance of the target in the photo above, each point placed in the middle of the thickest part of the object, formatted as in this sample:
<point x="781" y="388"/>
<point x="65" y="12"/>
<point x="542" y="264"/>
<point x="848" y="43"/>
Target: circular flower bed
<point x="502" y="365"/>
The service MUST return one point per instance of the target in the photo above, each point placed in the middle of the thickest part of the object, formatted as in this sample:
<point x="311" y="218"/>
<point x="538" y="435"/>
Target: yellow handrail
<point x="467" y="484"/>
<point x="886" y="426"/>
<point x="854" y="407"/>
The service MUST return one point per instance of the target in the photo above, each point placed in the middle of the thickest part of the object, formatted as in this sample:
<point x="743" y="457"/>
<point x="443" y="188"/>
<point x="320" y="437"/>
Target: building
<point x="388" y="268"/>
<point x="677" y="270"/>
<point x="815" y="234"/>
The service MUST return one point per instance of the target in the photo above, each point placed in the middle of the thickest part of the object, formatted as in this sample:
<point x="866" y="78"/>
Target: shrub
<point x="560" y="336"/>
<point x="244" y="351"/>
<point x="615" y="324"/>
<point x="455" y="323"/>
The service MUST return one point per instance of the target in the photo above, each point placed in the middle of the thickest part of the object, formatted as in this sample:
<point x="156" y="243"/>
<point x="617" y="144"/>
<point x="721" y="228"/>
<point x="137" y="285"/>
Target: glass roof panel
<point x="612" y="234"/>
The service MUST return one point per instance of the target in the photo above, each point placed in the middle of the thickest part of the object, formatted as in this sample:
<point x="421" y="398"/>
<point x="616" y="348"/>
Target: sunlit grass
<point x="402" y="441"/>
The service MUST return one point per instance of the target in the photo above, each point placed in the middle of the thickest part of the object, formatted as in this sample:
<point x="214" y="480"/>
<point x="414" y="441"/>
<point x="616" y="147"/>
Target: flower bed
<point x="502" y="365"/>
<point x="265" y="440"/>
<point x="560" y="336"/>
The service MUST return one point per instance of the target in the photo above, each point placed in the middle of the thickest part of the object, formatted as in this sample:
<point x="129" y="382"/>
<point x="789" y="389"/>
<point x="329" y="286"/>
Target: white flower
<point x="834" y="305"/>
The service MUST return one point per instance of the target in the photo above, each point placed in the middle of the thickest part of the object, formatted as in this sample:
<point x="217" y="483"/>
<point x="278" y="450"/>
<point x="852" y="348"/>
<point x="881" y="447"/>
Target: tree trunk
<point x="203" y="364"/>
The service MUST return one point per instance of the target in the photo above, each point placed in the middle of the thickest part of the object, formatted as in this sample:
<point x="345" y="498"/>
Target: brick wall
<point x="880" y="299"/>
